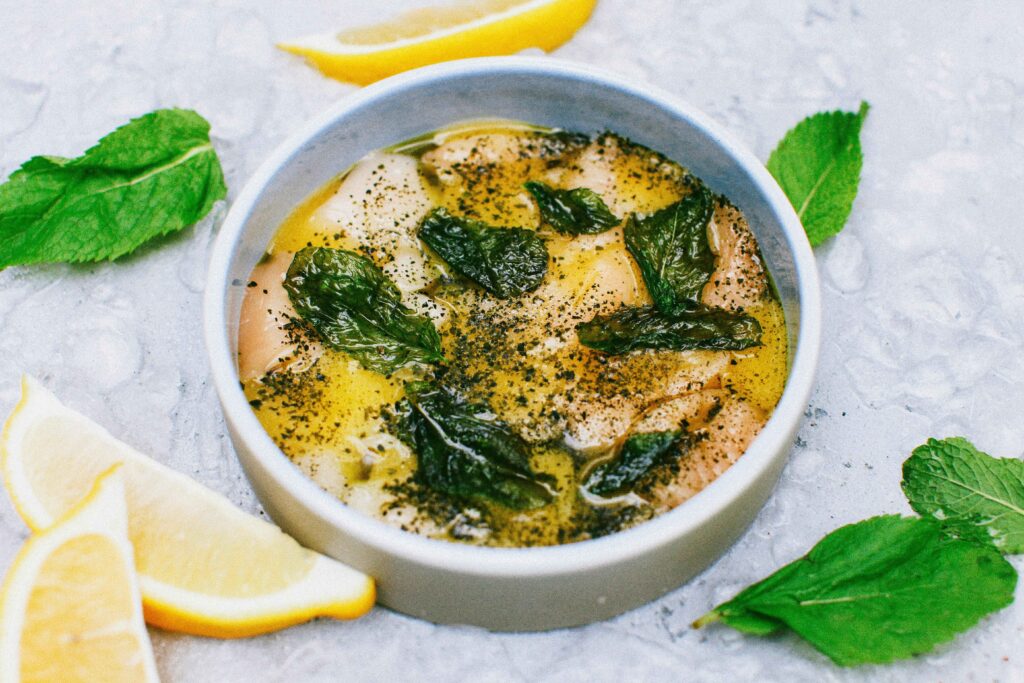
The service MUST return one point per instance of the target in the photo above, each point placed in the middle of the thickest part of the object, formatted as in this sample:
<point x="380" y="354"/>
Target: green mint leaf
<point x="970" y="492"/>
<point x="645" y="327"/>
<point x="747" y="622"/>
<point x="817" y="164"/>
<point x="972" y="528"/>
<point x="504" y="261"/>
<point x="464" y="450"/>
<point x="153" y="176"/>
<point x="355" y="308"/>
<point x="580" y="211"/>
<point x="671" y="247"/>
<point x="886" y="588"/>
<point x="639" y="454"/>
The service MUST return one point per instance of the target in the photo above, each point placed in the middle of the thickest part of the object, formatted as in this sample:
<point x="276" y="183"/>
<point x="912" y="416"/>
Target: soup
<point x="506" y="335"/>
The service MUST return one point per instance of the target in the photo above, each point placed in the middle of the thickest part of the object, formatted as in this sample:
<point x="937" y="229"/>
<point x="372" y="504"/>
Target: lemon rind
<point x="330" y="43"/>
<point x="101" y="512"/>
<point x="540" y="24"/>
<point x="169" y="606"/>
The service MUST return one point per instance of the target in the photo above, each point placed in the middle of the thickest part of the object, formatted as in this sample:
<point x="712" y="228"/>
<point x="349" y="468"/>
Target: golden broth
<point x="520" y="356"/>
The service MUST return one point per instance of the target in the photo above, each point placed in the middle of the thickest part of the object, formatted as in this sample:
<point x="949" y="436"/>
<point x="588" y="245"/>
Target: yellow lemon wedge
<point x="70" y="608"/>
<point x="439" y="34"/>
<point x="205" y="567"/>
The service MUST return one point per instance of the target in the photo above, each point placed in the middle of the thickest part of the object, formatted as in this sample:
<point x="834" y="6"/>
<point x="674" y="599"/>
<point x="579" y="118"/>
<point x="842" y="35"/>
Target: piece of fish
<point x="459" y="158"/>
<point x="378" y="208"/>
<point x="728" y="433"/>
<point x="739" y="279"/>
<point x="629" y="178"/>
<point x="266" y="342"/>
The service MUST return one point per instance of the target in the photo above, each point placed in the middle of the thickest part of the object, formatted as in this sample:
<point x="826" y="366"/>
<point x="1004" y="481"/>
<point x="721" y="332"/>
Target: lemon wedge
<point x="70" y="608"/>
<point x="205" y="567"/>
<point x="439" y="34"/>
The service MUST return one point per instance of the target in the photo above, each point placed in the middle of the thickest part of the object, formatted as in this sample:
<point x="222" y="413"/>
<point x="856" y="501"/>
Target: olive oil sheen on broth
<point x="506" y="335"/>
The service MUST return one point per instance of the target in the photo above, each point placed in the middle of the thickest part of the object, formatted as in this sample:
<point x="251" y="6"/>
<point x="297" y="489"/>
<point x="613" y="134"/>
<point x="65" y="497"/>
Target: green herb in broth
<point x="463" y="450"/>
<point x="504" y="261"/>
<point x="640" y="453"/>
<point x="631" y="329"/>
<point x="671" y="247"/>
<point x="517" y="362"/>
<point x="579" y="211"/>
<point x="354" y="308"/>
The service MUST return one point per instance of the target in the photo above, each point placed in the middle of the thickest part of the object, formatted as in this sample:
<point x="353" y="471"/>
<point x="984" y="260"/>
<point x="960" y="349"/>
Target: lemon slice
<point x="70" y="609"/>
<point x="204" y="566"/>
<point x="439" y="34"/>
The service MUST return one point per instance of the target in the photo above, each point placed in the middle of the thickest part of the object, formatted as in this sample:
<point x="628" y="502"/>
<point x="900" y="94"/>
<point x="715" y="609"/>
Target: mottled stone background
<point x="923" y="293"/>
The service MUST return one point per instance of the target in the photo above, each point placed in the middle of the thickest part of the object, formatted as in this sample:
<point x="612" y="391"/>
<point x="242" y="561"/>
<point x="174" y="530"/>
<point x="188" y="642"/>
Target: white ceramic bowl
<point x="525" y="588"/>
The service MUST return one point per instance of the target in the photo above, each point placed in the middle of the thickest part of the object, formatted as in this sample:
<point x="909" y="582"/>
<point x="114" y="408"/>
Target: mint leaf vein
<point x="818" y="164"/>
<point x="954" y="482"/>
<point x="155" y="175"/>
<point x="886" y="588"/>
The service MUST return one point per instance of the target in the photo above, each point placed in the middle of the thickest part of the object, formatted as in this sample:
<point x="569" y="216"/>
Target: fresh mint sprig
<point x="155" y="175"/>
<point x="892" y="587"/>
<point x="817" y="164"/>
<point x="886" y="588"/>
<point x="968" y="491"/>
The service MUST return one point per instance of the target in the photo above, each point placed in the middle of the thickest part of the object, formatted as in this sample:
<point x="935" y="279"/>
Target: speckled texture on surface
<point x="923" y="293"/>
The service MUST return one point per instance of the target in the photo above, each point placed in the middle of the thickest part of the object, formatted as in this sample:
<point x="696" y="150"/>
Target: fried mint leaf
<point x="464" y="450"/>
<point x="671" y="247"/>
<point x="153" y="176"/>
<point x="883" y="589"/>
<point x="355" y="308"/>
<point x="504" y="261"/>
<point x="818" y="164"/>
<point x="574" y="212"/>
<point x="645" y="327"/>
<point x="964" y="489"/>
<point x="639" y="454"/>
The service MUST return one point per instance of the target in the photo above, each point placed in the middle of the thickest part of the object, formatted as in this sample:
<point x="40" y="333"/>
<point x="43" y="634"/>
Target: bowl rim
<point x="590" y="554"/>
